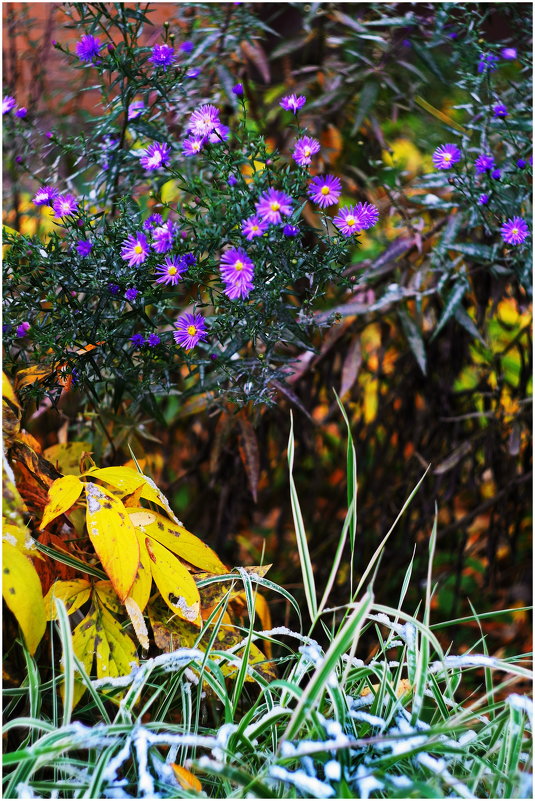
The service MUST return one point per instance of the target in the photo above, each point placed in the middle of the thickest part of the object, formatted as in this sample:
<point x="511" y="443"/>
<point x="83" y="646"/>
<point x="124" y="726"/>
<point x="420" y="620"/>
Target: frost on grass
<point x="366" y="781"/>
<point x="309" y="786"/>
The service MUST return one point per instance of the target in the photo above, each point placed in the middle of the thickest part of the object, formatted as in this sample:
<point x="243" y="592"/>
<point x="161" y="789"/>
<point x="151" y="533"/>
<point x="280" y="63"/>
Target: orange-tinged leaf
<point x="32" y="374"/>
<point x="74" y="594"/>
<point x="178" y="539"/>
<point x="63" y="494"/>
<point x="8" y="393"/>
<point x="113" y="537"/>
<point x="175" y="583"/>
<point x="186" y="779"/>
<point x="21" y="589"/>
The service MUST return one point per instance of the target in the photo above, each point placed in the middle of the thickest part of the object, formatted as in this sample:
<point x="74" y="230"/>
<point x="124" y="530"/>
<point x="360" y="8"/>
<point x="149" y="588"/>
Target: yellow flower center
<point x="238" y="265"/>
<point x="172" y="271"/>
<point x="514" y="230"/>
<point x="306" y="151"/>
<point x="447" y="156"/>
<point x="196" y="146"/>
<point x="350" y="220"/>
<point x="325" y="190"/>
<point x="138" y="249"/>
<point x="275" y="206"/>
<point x="192" y="330"/>
<point x="254" y="228"/>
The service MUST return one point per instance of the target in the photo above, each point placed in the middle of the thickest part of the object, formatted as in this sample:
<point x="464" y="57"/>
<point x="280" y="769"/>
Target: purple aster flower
<point x="87" y="48"/>
<point x="237" y="271"/>
<point x="514" y="231"/>
<point x="304" y="150"/>
<point x="496" y="174"/>
<point x="113" y="289"/>
<point x="189" y="259"/>
<point x="203" y="120"/>
<point x="23" y="329"/>
<point x="65" y="205"/>
<point x="135" y="109"/>
<point x="237" y="89"/>
<point x="483" y="199"/>
<point x="84" y="247"/>
<point x="21" y="112"/>
<point x="487" y="62"/>
<point x="8" y="103"/>
<point x="273" y="204"/>
<point x="191" y="328"/>
<point x="162" y="56"/>
<point x="152" y="340"/>
<point x="186" y="47"/>
<point x="220" y="133"/>
<point x="135" y="249"/>
<point x="293" y="103"/>
<point x="162" y="237"/>
<point x="290" y="230"/>
<point x="484" y="162"/>
<point x="445" y="156"/>
<point x="171" y="271"/>
<point x="193" y="145"/>
<point x="45" y="196"/>
<point x="156" y="155"/>
<point x="500" y="110"/>
<point x="509" y="53"/>
<point x="325" y="190"/>
<point x="352" y="219"/>
<point x="131" y="294"/>
<point x="253" y="226"/>
<point x="193" y="73"/>
<point x="137" y="339"/>
<point x="521" y="163"/>
<point x="232" y="180"/>
<point x="152" y="221"/>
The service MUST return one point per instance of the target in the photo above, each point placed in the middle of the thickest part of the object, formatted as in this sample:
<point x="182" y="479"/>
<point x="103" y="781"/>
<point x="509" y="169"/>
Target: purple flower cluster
<point x="487" y="63"/>
<point x="305" y="148"/>
<point x="325" y="190"/>
<point x="204" y="126"/>
<point x="8" y="103"/>
<point x="135" y="109"/>
<point x="172" y="270"/>
<point x="500" y="110"/>
<point x="483" y="163"/>
<point x="162" y="237"/>
<point x="353" y="219"/>
<point x="135" y="249"/>
<point x="139" y="340"/>
<point x="272" y="205"/>
<point x="65" y="205"/>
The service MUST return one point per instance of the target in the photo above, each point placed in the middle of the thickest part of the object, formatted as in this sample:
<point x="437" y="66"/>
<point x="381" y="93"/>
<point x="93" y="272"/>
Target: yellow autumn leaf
<point x="178" y="539"/>
<point x="74" y="594"/>
<point x="63" y="493"/>
<point x="22" y="593"/>
<point x="186" y="779"/>
<point x="175" y="583"/>
<point x="8" y="392"/>
<point x="115" y="651"/>
<point x="20" y="538"/>
<point x="140" y="589"/>
<point x="123" y="478"/>
<point x="113" y="537"/>
<point x="83" y="644"/>
<point x="108" y="597"/>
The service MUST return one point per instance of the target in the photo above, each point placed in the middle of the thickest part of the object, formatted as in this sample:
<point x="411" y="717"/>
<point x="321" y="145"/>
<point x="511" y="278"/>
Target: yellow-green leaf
<point x="74" y="594"/>
<point x="175" y="583"/>
<point x="66" y="456"/>
<point x="178" y="540"/>
<point x="113" y="537"/>
<point x="20" y="538"/>
<point x="116" y="652"/>
<point x="63" y="493"/>
<point x="107" y="596"/>
<point x="22" y="593"/>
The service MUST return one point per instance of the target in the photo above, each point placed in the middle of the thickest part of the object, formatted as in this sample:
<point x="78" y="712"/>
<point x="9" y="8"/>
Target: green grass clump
<point x="412" y="721"/>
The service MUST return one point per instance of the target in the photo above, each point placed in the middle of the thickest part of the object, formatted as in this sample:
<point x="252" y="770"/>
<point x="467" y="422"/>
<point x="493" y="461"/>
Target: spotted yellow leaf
<point x="22" y="593"/>
<point x="74" y="594"/>
<point x="175" y="583"/>
<point x="113" y="537"/>
<point x="178" y="540"/>
<point x="63" y="493"/>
